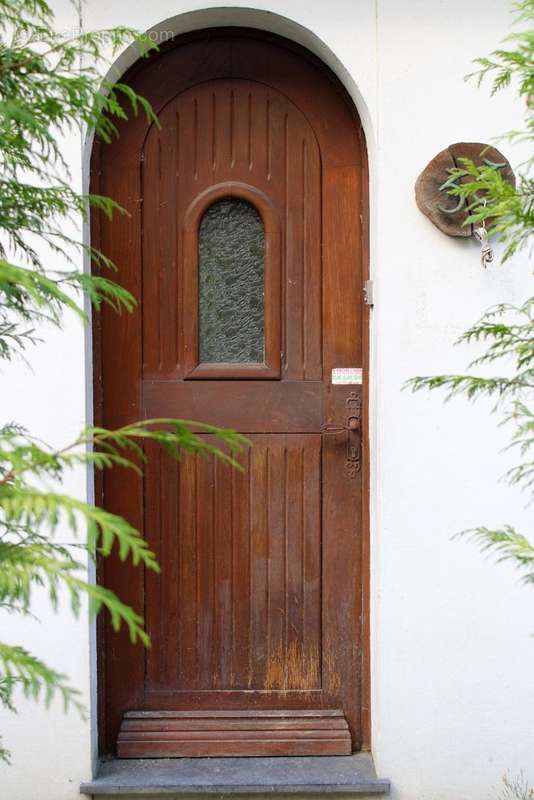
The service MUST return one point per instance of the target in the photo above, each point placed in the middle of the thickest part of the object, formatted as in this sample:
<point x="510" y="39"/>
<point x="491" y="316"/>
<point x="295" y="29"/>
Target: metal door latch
<point x="352" y="428"/>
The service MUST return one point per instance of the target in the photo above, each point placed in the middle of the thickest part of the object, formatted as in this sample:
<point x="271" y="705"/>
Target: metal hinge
<point x="368" y="298"/>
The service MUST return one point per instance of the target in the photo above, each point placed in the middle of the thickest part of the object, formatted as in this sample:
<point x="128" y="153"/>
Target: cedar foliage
<point x="51" y="86"/>
<point x="506" y="331"/>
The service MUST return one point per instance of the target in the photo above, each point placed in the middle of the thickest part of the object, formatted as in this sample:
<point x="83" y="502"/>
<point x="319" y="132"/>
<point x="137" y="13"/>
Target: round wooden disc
<point x="435" y="203"/>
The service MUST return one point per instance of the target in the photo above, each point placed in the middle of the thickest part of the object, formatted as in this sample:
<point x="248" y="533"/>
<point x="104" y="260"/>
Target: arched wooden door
<point x="245" y="250"/>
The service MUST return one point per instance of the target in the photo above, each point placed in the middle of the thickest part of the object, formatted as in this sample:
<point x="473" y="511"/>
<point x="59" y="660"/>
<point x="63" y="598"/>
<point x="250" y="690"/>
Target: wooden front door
<point x="245" y="250"/>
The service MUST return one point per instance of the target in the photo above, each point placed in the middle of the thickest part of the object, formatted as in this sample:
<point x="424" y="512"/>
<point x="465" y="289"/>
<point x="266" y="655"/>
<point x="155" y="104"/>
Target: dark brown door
<point x="244" y="250"/>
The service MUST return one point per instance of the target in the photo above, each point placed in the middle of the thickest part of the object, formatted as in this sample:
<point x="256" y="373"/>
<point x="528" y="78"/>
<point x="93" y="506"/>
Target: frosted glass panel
<point x="231" y="280"/>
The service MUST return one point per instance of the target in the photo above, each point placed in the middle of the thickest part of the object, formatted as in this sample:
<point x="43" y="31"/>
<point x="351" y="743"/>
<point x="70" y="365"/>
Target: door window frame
<point x="271" y="367"/>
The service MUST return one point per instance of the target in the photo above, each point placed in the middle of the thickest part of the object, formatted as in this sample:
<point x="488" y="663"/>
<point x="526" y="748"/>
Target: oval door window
<point x="231" y="256"/>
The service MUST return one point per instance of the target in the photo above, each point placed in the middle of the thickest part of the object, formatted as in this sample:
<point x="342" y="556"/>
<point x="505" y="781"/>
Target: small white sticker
<point x="347" y="375"/>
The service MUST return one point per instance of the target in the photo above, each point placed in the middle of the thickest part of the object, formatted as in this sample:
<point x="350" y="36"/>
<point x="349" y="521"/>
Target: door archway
<point x="257" y="619"/>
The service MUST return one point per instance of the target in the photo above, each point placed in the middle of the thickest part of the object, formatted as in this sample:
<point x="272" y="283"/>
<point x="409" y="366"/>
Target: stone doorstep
<point x="160" y="777"/>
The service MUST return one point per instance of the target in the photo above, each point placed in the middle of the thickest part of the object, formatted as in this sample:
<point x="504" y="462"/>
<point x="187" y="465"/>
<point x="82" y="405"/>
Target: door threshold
<point x="230" y="733"/>
<point x="282" y="775"/>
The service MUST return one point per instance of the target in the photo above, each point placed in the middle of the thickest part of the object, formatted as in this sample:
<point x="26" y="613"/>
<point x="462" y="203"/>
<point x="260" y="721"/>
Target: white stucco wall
<point x="452" y="651"/>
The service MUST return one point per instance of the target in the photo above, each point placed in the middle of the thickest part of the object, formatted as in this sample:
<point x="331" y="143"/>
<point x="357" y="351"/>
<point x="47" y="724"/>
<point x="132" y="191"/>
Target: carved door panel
<point x="244" y="250"/>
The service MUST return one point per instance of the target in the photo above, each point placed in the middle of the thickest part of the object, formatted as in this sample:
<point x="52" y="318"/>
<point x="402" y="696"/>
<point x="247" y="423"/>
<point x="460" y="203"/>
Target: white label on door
<point x="347" y="375"/>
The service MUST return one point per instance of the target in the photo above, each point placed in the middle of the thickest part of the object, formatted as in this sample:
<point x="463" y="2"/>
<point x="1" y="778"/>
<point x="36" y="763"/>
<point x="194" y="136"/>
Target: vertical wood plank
<point x="189" y="609"/>
<point x="259" y="556"/>
<point x="312" y="257"/>
<point x="155" y="621"/>
<point x="223" y="639"/>
<point x="294" y="248"/>
<point x="312" y="561"/>
<point x="342" y="269"/>
<point x="341" y="575"/>
<point x="241" y="575"/>
<point x="122" y="488"/>
<point x="277" y="611"/>
<point x="205" y="568"/>
<point x="342" y="495"/>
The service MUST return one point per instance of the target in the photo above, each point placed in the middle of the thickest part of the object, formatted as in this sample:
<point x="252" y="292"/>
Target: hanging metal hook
<point x="481" y="235"/>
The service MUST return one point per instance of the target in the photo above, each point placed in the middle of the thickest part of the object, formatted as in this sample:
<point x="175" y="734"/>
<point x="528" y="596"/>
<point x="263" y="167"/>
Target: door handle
<point x="352" y="429"/>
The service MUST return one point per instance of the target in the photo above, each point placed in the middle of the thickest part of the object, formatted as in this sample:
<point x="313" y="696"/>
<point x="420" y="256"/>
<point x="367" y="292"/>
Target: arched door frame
<point x="96" y="186"/>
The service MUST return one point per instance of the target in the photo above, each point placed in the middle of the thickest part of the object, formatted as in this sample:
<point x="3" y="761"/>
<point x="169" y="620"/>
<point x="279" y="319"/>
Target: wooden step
<point x="165" y="734"/>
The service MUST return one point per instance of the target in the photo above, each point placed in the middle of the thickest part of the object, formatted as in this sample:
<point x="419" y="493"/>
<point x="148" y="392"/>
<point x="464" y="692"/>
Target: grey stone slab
<point x="347" y="775"/>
